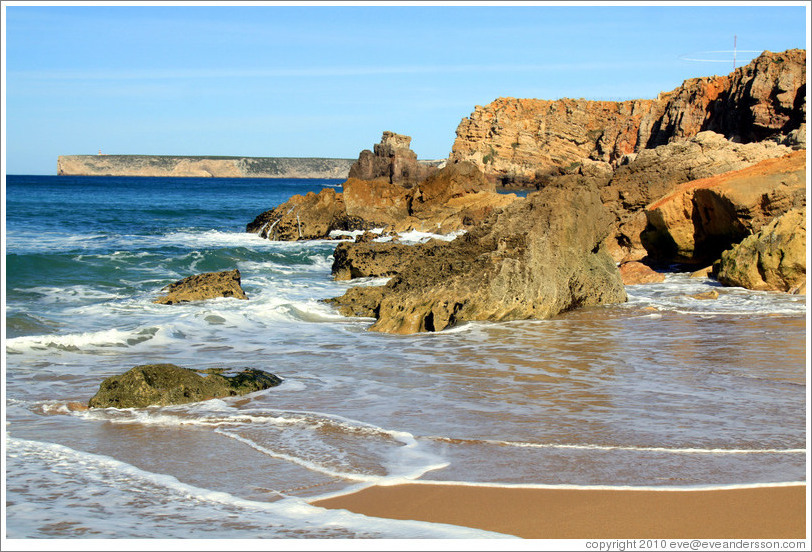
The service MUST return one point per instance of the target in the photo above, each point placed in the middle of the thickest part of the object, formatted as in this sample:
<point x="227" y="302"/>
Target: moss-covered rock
<point x="166" y="384"/>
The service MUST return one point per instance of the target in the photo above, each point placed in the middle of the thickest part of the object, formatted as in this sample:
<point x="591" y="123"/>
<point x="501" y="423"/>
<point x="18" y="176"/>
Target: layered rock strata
<point x="393" y="160"/>
<point x="519" y="141"/>
<point x="212" y="166"/>
<point x="167" y="384"/>
<point x="200" y="287"/>
<point x="655" y="172"/>
<point x="533" y="259"/>
<point x="772" y="259"/>
<point x="702" y="218"/>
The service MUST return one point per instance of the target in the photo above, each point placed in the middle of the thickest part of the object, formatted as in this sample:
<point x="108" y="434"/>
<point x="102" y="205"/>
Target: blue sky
<point x="326" y="81"/>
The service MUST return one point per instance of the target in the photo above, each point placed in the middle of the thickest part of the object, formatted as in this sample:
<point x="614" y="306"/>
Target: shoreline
<point x="740" y="512"/>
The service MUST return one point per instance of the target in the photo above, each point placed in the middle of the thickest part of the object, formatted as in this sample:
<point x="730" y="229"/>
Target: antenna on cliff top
<point x="734" y="52"/>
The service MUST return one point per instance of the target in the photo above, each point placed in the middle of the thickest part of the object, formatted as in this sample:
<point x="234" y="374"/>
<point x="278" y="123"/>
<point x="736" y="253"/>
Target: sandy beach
<point x="753" y="513"/>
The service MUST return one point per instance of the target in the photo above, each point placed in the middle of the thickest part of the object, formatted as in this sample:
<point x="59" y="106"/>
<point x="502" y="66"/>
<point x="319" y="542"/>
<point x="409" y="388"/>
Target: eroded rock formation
<point x="200" y="287"/>
<point x="702" y="218"/>
<point x="521" y="140"/>
<point x="653" y="173"/>
<point x="166" y="384"/>
<point x="393" y="160"/>
<point x="533" y="259"/>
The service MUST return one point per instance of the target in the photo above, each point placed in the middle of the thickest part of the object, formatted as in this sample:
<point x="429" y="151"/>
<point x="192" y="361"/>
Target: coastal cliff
<point x="214" y="166"/>
<point x="519" y="141"/>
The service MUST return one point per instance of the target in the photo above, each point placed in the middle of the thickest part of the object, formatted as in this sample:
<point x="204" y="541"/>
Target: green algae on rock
<point x="167" y="384"/>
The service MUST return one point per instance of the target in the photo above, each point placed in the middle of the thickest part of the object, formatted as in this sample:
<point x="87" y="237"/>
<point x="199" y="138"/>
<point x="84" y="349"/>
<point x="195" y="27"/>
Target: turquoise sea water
<point x="663" y="391"/>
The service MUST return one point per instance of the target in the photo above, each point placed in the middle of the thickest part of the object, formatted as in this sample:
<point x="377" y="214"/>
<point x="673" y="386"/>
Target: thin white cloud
<point x="317" y="72"/>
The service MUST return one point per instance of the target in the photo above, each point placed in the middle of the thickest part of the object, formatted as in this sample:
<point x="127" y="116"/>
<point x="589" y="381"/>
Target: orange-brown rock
<point x="706" y="272"/>
<point x="705" y="295"/>
<point x="376" y="201"/>
<point x="702" y="218"/>
<point x="453" y="198"/>
<point x="657" y="171"/>
<point x="520" y="140"/>
<point x="307" y="217"/>
<point x="635" y="273"/>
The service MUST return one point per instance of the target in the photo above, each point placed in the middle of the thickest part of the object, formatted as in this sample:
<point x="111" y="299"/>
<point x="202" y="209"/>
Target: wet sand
<point x="750" y="513"/>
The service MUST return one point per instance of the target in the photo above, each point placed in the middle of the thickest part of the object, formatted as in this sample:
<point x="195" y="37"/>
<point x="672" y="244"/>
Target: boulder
<point x="702" y="218"/>
<point x="392" y="160"/>
<point x="361" y="301"/>
<point x="533" y="259"/>
<point x="634" y="273"/>
<point x="705" y="295"/>
<point x="706" y="272"/>
<point x="772" y="259"/>
<point x="166" y="384"/>
<point x="200" y="287"/>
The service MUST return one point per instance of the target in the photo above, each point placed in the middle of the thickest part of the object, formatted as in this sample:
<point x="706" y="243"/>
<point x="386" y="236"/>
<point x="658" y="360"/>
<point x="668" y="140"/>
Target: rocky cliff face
<point x="225" y="167"/>
<point x="518" y="141"/>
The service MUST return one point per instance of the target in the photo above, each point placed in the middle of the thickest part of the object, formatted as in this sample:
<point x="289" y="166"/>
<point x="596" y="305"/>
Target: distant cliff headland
<point x="204" y="166"/>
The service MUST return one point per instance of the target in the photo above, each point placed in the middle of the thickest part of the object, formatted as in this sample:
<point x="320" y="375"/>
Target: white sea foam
<point x="81" y="341"/>
<point x="664" y="488"/>
<point x="352" y="234"/>
<point x="415" y="236"/>
<point x="71" y="294"/>
<point x="676" y="293"/>
<point x="79" y="491"/>
<point x="670" y="450"/>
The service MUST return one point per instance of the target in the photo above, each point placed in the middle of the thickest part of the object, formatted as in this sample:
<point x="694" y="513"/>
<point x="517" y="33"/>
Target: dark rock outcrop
<point x="167" y="384"/>
<point x="772" y="259"/>
<point x="393" y="160"/>
<point x="534" y="259"/>
<point x="200" y="287"/>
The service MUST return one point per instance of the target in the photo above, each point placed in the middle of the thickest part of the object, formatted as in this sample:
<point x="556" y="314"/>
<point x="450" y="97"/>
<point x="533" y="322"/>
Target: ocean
<point x="665" y="391"/>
